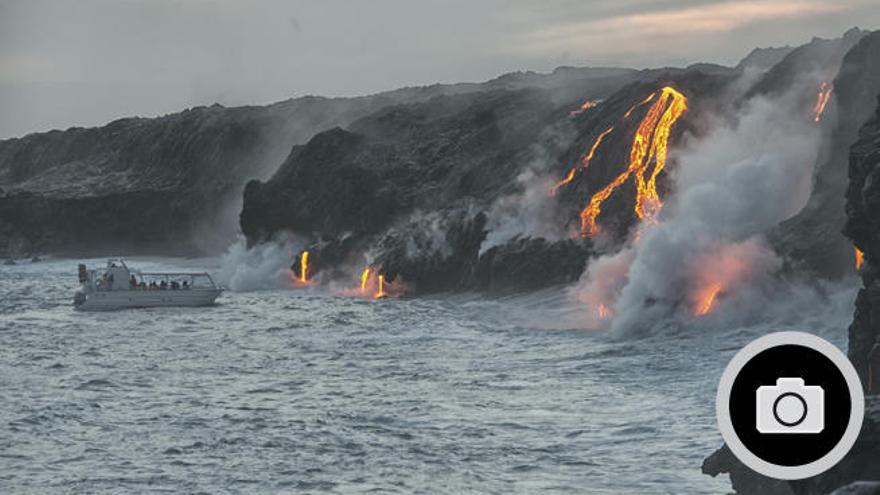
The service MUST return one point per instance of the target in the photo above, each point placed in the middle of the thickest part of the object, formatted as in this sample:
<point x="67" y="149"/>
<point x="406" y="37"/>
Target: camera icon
<point x="790" y="407"/>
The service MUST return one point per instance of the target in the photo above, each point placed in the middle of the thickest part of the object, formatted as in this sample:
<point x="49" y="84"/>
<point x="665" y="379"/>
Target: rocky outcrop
<point x="859" y="465"/>
<point x="413" y="184"/>
<point x="811" y="240"/>
<point x="863" y="228"/>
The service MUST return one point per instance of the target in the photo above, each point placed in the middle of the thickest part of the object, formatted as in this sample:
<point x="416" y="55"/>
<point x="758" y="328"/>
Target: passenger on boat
<point x="132" y="282"/>
<point x="185" y="285"/>
<point x="153" y="285"/>
<point x="142" y="285"/>
<point x="175" y="285"/>
<point x="163" y="285"/>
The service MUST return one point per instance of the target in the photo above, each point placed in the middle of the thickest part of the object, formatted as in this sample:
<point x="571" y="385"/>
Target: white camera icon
<point x="790" y="407"/>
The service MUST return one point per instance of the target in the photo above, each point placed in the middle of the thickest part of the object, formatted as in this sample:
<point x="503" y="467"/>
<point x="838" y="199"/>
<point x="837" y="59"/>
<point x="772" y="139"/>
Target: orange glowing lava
<point x="637" y="105"/>
<point x="365" y="277"/>
<point x="588" y="104"/>
<point x="564" y="181"/>
<point x="706" y="299"/>
<point x="380" y="291"/>
<point x="586" y="161"/>
<point x="860" y="258"/>
<point x="649" y="146"/>
<point x="821" y="101"/>
<point x="604" y="312"/>
<point x="304" y="267"/>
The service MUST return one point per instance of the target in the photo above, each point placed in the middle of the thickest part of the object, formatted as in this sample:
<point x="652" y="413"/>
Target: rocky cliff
<point x="811" y="240"/>
<point x="173" y="184"/>
<point x="862" y="213"/>
<point x="410" y="187"/>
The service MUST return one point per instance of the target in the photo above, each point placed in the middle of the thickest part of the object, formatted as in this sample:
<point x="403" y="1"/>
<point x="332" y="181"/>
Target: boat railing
<point x="138" y="280"/>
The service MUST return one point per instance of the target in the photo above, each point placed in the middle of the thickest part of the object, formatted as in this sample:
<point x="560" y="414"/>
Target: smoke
<point x="265" y="266"/>
<point x="707" y="253"/>
<point x="527" y="213"/>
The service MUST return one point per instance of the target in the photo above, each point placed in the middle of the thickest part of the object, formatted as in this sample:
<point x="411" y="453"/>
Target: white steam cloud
<point x="265" y="266"/>
<point x="529" y="213"/>
<point x="707" y="251"/>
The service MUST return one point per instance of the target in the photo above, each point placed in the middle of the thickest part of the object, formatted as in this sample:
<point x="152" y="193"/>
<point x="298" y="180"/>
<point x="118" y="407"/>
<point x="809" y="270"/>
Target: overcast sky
<point x="86" y="62"/>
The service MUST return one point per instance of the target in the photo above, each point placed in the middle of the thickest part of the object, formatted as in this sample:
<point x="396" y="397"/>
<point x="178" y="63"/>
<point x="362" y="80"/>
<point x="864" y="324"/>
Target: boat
<point x="118" y="287"/>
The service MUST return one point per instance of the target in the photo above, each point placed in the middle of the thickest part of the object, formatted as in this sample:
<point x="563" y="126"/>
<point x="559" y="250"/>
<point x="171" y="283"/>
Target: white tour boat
<point x="117" y="287"/>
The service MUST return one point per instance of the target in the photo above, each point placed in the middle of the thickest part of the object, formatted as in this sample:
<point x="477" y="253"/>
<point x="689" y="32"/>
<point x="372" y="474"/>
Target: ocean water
<point x="304" y="391"/>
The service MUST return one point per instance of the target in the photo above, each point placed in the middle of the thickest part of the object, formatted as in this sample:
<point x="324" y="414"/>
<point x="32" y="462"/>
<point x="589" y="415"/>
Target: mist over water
<point x="281" y="390"/>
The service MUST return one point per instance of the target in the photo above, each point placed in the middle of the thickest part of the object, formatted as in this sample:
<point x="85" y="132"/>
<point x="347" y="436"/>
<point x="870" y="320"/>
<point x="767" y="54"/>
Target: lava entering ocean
<point x="860" y="258"/>
<point x="365" y="277"/>
<point x="706" y="299"/>
<point x="380" y="291"/>
<point x="821" y="101"/>
<point x="649" y="145"/>
<point x="304" y="267"/>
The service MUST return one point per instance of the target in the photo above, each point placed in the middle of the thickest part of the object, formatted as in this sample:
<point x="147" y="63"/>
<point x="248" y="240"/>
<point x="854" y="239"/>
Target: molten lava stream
<point x="649" y="146"/>
<point x="365" y="277"/>
<point x="564" y="181"/>
<point x="706" y="299"/>
<point x="584" y="163"/>
<point x="304" y="267"/>
<point x="821" y="100"/>
<point x="860" y="258"/>
<point x="637" y="105"/>
<point x="589" y="157"/>
<point x="380" y="291"/>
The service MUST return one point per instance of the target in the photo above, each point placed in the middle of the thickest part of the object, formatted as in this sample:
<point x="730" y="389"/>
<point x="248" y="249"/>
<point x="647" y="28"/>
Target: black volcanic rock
<point x="859" y="464"/>
<point x="524" y="264"/>
<point x="811" y="240"/>
<point x="189" y="168"/>
<point x="863" y="228"/>
<point x="764" y="58"/>
<point x="432" y="170"/>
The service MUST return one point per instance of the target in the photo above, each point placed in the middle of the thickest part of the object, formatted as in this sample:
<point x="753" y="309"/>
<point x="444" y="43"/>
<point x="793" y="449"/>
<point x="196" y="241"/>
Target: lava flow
<point x="637" y="105"/>
<point x="860" y="258"/>
<point x="304" y="267"/>
<point x="586" y="162"/>
<point x="568" y="178"/>
<point x="380" y="291"/>
<point x="821" y="101"/>
<point x="707" y="299"/>
<point x="649" y="145"/>
<point x="365" y="277"/>
<point x="588" y="104"/>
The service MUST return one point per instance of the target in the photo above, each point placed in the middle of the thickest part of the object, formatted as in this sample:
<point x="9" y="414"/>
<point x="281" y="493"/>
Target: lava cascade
<point x="706" y="299"/>
<point x="584" y="163"/>
<point x="650" y="145"/>
<point x="637" y="105"/>
<point x="380" y="290"/>
<point x="365" y="277"/>
<point x="860" y="258"/>
<point x="304" y="267"/>
<point x="568" y="178"/>
<point x="821" y="100"/>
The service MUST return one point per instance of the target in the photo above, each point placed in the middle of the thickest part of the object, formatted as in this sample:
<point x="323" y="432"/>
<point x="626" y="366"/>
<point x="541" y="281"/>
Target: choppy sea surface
<point x="295" y="391"/>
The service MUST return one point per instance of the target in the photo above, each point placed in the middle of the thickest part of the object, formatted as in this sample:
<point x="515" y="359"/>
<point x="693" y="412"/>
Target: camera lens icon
<point x="790" y="406"/>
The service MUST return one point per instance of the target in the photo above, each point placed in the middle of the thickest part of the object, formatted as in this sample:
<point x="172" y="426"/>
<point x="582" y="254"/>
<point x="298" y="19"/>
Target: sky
<point x="86" y="62"/>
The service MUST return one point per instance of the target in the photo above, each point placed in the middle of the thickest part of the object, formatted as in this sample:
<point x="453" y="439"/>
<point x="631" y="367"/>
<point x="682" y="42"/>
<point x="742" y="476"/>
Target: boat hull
<point x="121" y="299"/>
